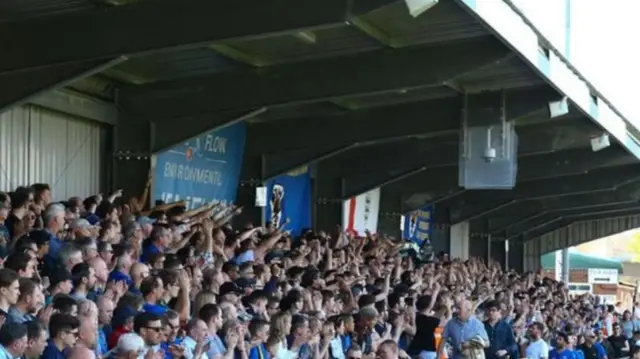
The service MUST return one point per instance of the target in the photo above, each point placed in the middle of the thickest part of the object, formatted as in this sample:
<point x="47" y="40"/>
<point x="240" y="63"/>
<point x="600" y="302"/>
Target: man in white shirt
<point x="537" y="348"/>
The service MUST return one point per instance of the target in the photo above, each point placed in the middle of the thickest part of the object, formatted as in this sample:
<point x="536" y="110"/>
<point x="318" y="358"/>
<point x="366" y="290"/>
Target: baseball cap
<point x="243" y="283"/>
<point x="123" y="313"/>
<point x="230" y="288"/>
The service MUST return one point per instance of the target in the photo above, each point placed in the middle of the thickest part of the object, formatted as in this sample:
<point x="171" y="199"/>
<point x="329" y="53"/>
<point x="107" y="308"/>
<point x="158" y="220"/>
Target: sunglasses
<point x="155" y="329"/>
<point x="75" y="334"/>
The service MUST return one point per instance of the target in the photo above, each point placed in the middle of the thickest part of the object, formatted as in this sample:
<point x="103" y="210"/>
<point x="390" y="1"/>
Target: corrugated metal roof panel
<point x="170" y="65"/>
<point x="397" y="97"/>
<point x="12" y="10"/>
<point x="512" y="73"/>
<point x="303" y="110"/>
<point x="444" y="22"/>
<point x="304" y="45"/>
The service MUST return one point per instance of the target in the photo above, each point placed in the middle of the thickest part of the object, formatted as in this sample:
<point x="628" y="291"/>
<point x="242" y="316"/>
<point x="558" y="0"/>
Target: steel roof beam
<point x="443" y="179"/>
<point x="473" y="204"/>
<point x="19" y="87"/>
<point x="154" y="25"/>
<point x="294" y="142"/>
<point x="379" y="71"/>
<point x="542" y="218"/>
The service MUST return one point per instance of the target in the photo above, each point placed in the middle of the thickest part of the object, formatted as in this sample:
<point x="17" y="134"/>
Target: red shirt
<point x="115" y="335"/>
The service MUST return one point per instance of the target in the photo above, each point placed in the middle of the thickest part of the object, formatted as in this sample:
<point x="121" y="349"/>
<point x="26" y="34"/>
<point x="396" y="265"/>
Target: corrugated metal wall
<point x="586" y="231"/>
<point x="573" y="235"/>
<point x="549" y="242"/>
<point x="40" y="145"/>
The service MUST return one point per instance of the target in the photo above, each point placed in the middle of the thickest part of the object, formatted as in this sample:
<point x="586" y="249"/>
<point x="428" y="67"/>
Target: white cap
<point x="130" y="342"/>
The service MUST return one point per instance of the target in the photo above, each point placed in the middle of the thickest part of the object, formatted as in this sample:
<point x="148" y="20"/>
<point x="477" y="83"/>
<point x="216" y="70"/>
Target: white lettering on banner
<point x="191" y="202"/>
<point x="215" y="144"/>
<point x="188" y="173"/>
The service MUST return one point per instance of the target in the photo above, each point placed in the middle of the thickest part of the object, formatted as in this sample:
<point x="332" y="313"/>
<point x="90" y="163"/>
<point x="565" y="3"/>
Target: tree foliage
<point x="633" y="248"/>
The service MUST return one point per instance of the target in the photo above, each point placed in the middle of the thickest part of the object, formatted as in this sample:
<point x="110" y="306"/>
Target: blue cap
<point x="92" y="219"/>
<point x="154" y="309"/>
<point x="121" y="314"/>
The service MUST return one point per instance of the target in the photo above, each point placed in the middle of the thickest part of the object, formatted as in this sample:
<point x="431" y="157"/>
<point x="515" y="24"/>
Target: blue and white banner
<point x="203" y="169"/>
<point x="289" y="196"/>
<point x="417" y="225"/>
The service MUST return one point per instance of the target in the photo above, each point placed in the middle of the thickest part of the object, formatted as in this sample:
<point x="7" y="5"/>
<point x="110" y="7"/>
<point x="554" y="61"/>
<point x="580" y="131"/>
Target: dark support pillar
<point x="249" y="180"/>
<point x="390" y="214"/>
<point x="498" y="253"/>
<point x="132" y="154"/>
<point x="515" y="256"/>
<point x="328" y="191"/>
<point x="478" y="244"/>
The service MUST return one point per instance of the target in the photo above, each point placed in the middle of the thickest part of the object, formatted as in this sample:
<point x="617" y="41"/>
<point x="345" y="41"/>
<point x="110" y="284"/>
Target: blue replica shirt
<point x="562" y="354"/>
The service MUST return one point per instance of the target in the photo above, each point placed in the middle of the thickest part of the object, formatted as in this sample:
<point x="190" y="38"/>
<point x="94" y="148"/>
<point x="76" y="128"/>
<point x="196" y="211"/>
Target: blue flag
<point x="289" y="196"/>
<point x="417" y="225"/>
<point x="203" y="169"/>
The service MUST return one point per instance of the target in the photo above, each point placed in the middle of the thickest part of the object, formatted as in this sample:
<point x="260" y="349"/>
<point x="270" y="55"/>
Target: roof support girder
<point x="18" y="87"/>
<point x="150" y="25"/>
<point x="316" y="80"/>
<point x="291" y="143"/>
<point x="543" y="218"/>
<point x="433" y="179"/>
<point x="473" y="204"/>
<point x="623" y="196"/>
<point x="560" y="222"/>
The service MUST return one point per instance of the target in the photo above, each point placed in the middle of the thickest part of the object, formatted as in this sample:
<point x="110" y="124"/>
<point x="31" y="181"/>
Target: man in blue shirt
<point x="53" y="218"/>
<point x="592" y="349"/>
<point x="158" y="241"/>
<point x="562" y="350"/>
<point x="152" y="290"/>
<point x="63" y="334"/>
<point x="461" y="329"/>
<point x="259" y="332"/>
<point x="502" y="342"/>
<point x="13" y="339"/>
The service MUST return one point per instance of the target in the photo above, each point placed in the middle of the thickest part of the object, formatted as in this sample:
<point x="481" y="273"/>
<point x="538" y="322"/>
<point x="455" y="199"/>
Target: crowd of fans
<point x="101" y="278"/>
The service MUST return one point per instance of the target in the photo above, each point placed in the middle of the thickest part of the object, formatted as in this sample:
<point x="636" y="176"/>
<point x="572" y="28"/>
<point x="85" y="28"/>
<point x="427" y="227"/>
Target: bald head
<point x="139" y="271"/>
<point x="464" y="309"/>
<point x="100" y="267"/>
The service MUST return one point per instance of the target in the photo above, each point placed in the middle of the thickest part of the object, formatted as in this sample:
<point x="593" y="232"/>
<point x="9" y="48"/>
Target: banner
<point x="289" y="196"/>
<point x="201" y="170"/>
<point x="360" y="213"/>
<point x="417" y="226"/>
